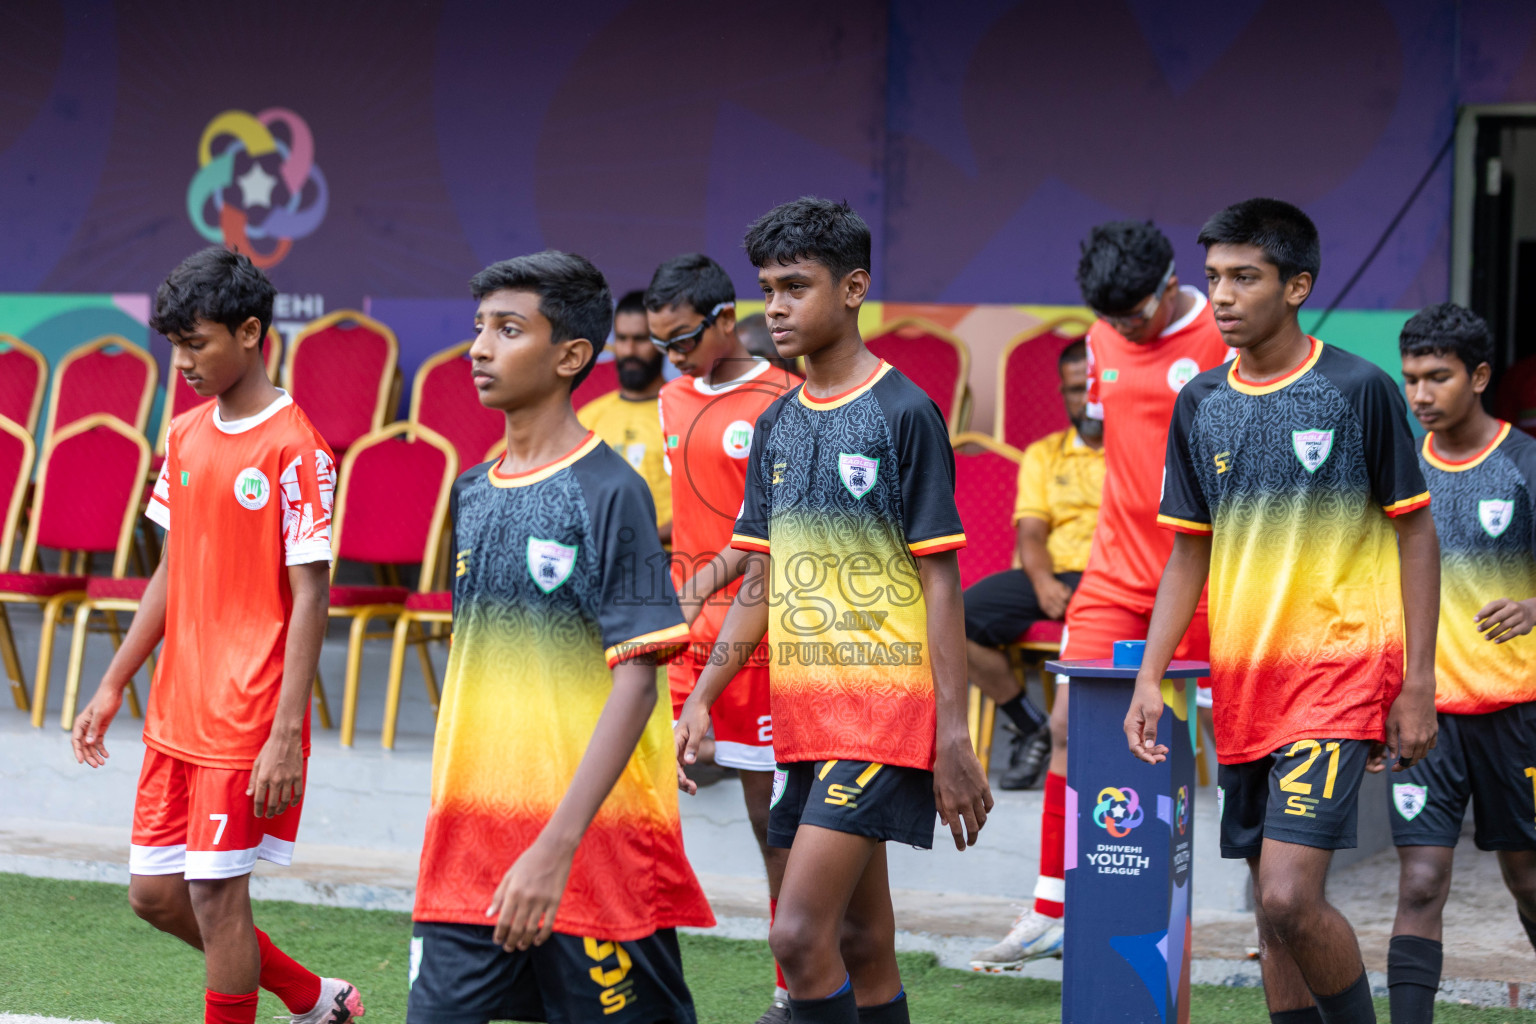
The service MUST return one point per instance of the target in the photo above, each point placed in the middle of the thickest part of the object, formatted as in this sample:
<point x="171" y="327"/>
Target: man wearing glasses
<point x="707" y="418"/>
<point x="1152" y="337"/>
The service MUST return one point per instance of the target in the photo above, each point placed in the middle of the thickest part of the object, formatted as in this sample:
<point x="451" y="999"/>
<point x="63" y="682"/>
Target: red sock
<point x="219" y="1008"/>
<point x="1051" y="889"/>
<point x="778" y="972"/>
<point x="283" y="976"/>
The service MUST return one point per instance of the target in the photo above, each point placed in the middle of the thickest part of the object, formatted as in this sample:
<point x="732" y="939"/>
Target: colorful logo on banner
<point x="1181" y="809"/>
<point x="1118" y="811"/>
<point x="257" y="186"/>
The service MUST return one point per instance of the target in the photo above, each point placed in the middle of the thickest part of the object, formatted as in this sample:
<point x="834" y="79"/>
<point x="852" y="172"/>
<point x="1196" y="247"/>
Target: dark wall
<point x="980" y="140"/>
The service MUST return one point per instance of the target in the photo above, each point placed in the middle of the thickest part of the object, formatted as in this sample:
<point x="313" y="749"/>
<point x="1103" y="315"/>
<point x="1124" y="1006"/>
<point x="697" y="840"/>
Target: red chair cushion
<point x="110" y="379"/>
<point x="928" y="361"/>
<point x="337" y="374"/>
<point x="434" y="601"/>
<point x="20" y="380"/>
<point x="382" y="521"/>
<point x="985" y="484"/>
<point x="603" y="379"/>
<point x="1046" y="631"/>
<point x="101" y="588"/>
<point x="91" y="481"/>
<point x="356" y="597"/>
<point x="39" y="584"/>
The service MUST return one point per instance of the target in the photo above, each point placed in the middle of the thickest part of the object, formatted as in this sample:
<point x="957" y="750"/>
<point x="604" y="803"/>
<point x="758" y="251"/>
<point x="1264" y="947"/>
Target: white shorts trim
<point x="203" y="864"/>
<point x="157" y="860"/>
<point x="744" y="756"/>
<point x="1203" y="697"/>
<point x="278" y="851"/>
<point x="1052" y="890"/>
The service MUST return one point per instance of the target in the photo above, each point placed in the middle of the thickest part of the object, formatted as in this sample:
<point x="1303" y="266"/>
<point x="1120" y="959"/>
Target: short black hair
<point x="573" y="296"/>
<point x="631" y="302"/>
<point x="213" y="284"/>
<point x="1076" y="352"/>
<point x="1287" y="236"/>
<point x="1448" y="329"/>
<point x="1122" y="263"/>
<point x="691" y="278"/>
<point x="811" y="229"/>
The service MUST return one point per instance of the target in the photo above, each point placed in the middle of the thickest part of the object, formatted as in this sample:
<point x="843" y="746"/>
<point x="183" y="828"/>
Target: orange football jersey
<point x="1132" y="388"/>
<point x="240" y="502"/>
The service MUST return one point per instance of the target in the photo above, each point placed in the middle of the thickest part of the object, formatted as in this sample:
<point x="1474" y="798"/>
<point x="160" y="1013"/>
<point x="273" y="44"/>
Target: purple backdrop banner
<point x="392" y="149"/>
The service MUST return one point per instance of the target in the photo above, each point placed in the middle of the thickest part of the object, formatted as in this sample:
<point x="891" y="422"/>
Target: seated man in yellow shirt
<point x="1060" y="483"/>
<point x="628" y="419"/>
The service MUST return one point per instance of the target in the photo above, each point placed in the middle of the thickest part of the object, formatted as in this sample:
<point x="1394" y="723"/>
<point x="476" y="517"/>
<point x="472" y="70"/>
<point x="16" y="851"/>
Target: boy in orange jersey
<point x="1293" y="483"/>
<point x="850" y="518"/>
<point x="707" y="416"/>
<point x="1482" y="477"/>
<point x="245" y="497"/>
<point x="1151" y="337"/>
<point x="553" y="877"/>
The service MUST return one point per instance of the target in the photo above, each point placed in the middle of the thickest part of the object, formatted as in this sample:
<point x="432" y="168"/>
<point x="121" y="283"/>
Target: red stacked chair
<point x="17" y="454"/>
<point x="1028" y="407"/>
<point x="23" y="378"/>
<point x="379" y="521"/>
<point x="87" y="498"/>
<point x="340" y="369"/>
<point x="109" y="375"/>
<point x="443" y="398"/>
<point x="934" y="360"/>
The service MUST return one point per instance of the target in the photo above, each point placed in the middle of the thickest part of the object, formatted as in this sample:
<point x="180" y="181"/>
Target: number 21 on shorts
<point x="1301" y="801"/>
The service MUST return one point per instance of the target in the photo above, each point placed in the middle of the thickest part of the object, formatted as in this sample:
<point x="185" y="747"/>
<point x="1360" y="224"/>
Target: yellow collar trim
<point x="545" y="471"/>
<point x="1465" y="464"/>
<point x="1270" y="387"/>
<point x="823" y="404"/>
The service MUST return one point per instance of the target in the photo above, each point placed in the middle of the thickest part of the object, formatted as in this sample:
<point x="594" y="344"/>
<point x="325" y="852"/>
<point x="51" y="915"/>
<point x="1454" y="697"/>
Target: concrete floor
<point x="366" y="809"/>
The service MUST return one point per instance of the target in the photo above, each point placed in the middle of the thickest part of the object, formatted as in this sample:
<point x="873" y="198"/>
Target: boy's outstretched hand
<point x="960" y="789"/>
<point x="1141" y="722"/>
<point x="528" y="896"/>
<point x="89" y="736"/>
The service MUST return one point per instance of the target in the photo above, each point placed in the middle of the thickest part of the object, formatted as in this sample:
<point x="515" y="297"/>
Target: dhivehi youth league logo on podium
<point x="1118" y="811"/>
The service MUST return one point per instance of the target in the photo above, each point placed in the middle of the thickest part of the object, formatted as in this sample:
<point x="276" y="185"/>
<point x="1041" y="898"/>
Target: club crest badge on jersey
<point x="252" y="488"/>
<point x="1181" y="372"/>
<point x="1312" y="447"/>
<point x="1409" y="799"/>
<point x="1495" y="515"/>
<point x="859" y="473"/>
<point x="737" y="439"/>
<point x="550" y="562"/>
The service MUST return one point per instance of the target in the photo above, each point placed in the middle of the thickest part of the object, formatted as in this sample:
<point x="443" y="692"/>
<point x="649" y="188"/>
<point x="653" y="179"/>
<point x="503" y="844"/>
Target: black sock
<point x="1023" y="713"/>
<point x="1530" y="928"/>
<point x="1305" y="1015"/>
<point x="1352" y="1006"/>
<point x="893" y="1012"/>
<point x="838" y="1008"/>
<point x="1413" y="977"/>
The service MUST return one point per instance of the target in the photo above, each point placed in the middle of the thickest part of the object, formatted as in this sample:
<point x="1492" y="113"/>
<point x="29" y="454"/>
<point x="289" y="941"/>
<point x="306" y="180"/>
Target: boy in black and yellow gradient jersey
<point x="850" y="515"/>
<point x="1292" y="483"/>
<point x="1482" y="477"/>
<point x="552" y="874"/>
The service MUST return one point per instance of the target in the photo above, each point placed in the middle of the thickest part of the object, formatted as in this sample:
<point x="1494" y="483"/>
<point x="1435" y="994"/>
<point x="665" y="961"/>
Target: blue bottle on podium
<point x="1130" y="846"/>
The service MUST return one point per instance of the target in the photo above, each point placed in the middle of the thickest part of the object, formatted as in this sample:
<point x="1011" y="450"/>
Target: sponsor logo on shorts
<point x="1409" y="799"/>
<point x="780" y="777"/>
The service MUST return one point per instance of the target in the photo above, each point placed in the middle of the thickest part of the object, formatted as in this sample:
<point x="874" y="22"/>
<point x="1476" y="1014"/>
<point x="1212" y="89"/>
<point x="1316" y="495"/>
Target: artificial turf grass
<point x="75" y="949"/>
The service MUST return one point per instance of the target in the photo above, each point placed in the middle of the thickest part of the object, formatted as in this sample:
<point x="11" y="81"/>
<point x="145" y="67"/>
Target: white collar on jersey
<point x="1188" y="318"/>
<point x="282" y="401"/>
<point x="707" y="389"/>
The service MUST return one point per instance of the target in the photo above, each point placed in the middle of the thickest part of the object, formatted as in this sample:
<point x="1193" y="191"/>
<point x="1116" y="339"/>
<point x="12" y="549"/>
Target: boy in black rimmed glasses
<point x="707" y="416"/>
<point x="1152" y="336"/>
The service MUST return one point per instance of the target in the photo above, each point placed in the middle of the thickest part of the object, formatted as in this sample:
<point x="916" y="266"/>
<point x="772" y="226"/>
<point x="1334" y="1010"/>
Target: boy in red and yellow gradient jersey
<point x="554" y="799"/>
<point x="1152" y="336"/>
<point x="240" y="597"/>
<point x="1292" y="482"/>
<point x="1482" y="476"/>
<point x="707" y="419"/>
<point x="851" y="521"/>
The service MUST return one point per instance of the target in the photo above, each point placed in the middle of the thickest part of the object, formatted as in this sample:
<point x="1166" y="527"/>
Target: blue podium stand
<point x="1130" y="842"/>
